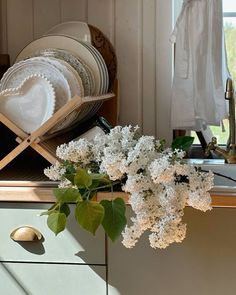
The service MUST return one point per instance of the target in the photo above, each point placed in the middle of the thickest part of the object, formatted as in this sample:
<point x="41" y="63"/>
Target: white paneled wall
<point x="132" y="27"/>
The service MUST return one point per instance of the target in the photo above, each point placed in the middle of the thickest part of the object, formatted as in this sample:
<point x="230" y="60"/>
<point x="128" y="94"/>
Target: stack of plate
<point x="70" y="57"/>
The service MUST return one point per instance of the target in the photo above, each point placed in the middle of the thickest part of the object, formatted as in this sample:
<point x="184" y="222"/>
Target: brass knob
<point x="26" y="234"/>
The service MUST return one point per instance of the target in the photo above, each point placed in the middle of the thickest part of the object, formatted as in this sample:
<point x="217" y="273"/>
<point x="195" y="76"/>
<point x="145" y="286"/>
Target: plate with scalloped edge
<point x="75" y="83"/>
<point x="79" y="67"/>
<point x="19" y="71"/>
<point x="30" y="104"/>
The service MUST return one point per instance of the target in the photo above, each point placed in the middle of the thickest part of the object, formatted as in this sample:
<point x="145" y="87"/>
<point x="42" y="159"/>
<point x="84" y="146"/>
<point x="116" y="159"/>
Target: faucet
<point x="230" y="153"/>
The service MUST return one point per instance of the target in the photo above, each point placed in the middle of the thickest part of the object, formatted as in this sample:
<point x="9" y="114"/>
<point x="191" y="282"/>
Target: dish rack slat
<point x="41" y="140"/>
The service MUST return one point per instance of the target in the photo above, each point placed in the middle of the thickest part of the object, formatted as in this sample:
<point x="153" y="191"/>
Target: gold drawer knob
<point x="26" y="234"/>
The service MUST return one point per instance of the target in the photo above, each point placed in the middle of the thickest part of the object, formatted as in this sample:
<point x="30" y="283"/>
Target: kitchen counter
<point x="27" y="191"/>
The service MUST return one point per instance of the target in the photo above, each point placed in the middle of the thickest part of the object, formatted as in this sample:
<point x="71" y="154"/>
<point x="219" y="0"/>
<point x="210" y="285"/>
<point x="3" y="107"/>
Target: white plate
<point x="74" y="29"/>
<point x="75" y="83"/>
<point x="102" y="67"/>
<point x="81" y="32"/>
<point x="18" y="72"/>
<point x="79" y="67"/>
<point x="30" y="104"/>
<point x="65" y="43"/>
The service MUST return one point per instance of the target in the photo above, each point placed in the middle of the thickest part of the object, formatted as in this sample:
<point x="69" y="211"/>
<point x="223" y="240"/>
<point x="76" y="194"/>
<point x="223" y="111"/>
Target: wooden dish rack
<point x="45" y="143"/>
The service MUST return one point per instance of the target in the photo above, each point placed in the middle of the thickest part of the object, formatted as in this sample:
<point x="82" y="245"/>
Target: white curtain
<point x="200" y="66"/>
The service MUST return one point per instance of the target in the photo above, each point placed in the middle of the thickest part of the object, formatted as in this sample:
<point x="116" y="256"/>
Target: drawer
<point x="51" y="279"/>
<point x="74" y="245"/>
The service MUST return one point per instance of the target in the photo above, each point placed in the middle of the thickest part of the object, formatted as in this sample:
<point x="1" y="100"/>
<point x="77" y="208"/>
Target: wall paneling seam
<point x="87" y="11"/>
<point x="33" y="19"/>
<point x="113" y="23"/>
<point x="156" y="70"/>
<point x="140" y="64"/>
<point x="155" y="60"/>
<point x="60" y="11"/>
<point x="4" y="29"/>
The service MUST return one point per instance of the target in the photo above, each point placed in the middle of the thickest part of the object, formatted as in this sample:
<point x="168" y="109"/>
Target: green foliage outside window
<point x="230" y="41"/>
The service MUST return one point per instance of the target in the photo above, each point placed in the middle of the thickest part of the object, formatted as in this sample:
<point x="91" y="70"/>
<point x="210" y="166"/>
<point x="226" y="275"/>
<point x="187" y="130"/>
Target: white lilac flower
<point x="110" y="165"/>
<point x="129" y="137"/>
<point x="200" y="180"/>
<point x="79" y="151"/>
<point x="146" y="205"/>
<point x="140" y="156"/>
<point x="137" y="183"/>
<point x="167" y="234"/>
<point x="182" y="169"/>
<point x="131" y="235"/>
<point x="157" y="169"/>
<point x="171" y="199"/>
<point x="55" y="172"/>
<point x="137" y="201"/>
<point x="65" y="183"/>
<point x="200" y="200"/>
<point x="199" y="185"/>
<point x="160" y="186"/>
<point x="179" y="154"/>
<point x="147" y="209"/>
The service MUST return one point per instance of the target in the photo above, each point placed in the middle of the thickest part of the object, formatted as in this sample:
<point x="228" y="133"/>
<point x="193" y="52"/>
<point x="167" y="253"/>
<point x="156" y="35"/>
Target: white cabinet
<point x="72" y="262"/>
<point x="203" y="264"/>
<point x="74" y="245"/>
<point x="52" y="279"/>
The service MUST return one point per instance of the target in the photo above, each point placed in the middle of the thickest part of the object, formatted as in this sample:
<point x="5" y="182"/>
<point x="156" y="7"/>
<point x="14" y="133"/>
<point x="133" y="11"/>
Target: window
<point x="229" y="21"/>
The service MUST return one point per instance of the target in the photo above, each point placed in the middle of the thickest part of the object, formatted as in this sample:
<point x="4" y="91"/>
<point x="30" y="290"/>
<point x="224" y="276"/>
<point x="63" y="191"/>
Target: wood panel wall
<point x="132" y="27"/>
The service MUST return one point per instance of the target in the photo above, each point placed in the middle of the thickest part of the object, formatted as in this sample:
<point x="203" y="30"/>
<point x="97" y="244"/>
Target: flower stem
<point x="105" y="186"/>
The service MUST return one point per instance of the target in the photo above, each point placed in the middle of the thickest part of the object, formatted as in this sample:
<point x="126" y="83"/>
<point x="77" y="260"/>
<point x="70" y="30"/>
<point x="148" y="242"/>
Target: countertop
<point x="27" y="191"/>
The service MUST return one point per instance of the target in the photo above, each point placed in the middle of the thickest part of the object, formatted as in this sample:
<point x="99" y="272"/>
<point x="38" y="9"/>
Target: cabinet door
<point x="74" y="245"/>
<point x="51" y="279"/>
<point x="203" y="264"/>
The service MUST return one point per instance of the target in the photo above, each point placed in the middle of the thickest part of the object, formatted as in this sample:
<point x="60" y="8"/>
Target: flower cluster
<point x="158" y="182"/>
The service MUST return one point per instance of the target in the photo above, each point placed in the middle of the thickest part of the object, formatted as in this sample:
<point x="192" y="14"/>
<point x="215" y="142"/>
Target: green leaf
<point x="95" y="184"/>
<point x="56" y="208"/>
<point x="56" y="222"/>
<point x="82" y="178"/>
<point x="99" y="180"/>
<point x="162" y="145"/>
<point x="70" y="177"/>
<point x="182" y="143"/>
<point x="114" y="219"/>
<point x="89" y="215"/>
<point x="103" y="178"/>
<point x="50" y="210"/>
<point x="70" y="169"/>
<point x="65" y="209"/>
<point x="67" y="194"/>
